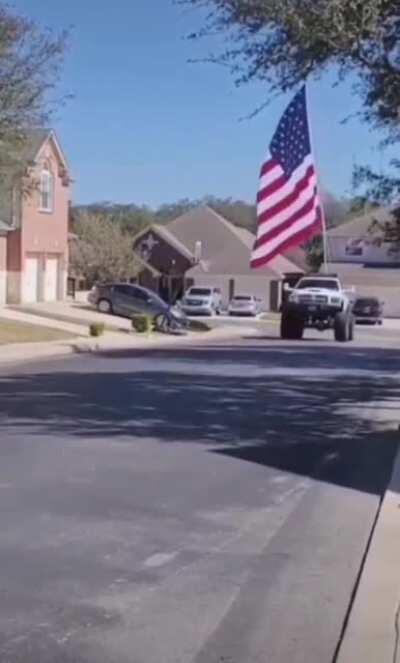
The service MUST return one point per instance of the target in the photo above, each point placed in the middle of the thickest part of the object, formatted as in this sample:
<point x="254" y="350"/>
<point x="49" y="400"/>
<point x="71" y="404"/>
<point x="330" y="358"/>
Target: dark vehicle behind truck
<point x="368" y="310"/>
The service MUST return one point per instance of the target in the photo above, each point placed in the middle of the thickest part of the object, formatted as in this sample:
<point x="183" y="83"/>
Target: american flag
<point x="289" y="211"/>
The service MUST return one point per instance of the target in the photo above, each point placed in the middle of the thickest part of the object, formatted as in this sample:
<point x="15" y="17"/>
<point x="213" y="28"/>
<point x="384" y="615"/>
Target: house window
<point x="46" y="191"/>
<point x="354" y="247"/>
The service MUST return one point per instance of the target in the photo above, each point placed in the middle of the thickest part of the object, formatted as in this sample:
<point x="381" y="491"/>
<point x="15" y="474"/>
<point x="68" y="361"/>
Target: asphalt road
<point x="194" y="506"/>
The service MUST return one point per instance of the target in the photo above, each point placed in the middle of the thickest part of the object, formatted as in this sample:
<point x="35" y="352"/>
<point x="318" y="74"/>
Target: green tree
<point x="101" y="250"/>
<point x="283" y="42"/>
<point x="336" y="212"/>
<point x="314" y="253"/>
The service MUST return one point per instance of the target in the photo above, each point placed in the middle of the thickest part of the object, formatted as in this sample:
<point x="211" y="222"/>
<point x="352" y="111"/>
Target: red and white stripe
<point x="288" y="210"/>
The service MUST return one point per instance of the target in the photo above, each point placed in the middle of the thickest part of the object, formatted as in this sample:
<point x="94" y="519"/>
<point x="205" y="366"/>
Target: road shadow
<point x="257" y="404"/>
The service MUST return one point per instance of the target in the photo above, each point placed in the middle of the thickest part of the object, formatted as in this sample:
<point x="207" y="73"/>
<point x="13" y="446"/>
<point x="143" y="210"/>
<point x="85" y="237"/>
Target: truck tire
<point x="292" y="328"/>
<point x="342" y="327"/>
<point x="351" y="328"/>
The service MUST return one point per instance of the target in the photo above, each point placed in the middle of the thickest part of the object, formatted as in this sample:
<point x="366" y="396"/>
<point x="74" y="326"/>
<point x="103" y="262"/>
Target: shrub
<point x="143" y="324"/>
<point x="96" y="328"/>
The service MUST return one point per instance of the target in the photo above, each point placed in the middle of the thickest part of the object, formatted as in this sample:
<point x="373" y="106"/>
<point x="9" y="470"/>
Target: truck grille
<point x="313" y="299"/>
<point x="194" y="302"/>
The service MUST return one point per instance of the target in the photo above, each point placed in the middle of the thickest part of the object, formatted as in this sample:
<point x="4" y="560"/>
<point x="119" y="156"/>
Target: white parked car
<point x="245" y="305"/>
<point x="202" y="300"/>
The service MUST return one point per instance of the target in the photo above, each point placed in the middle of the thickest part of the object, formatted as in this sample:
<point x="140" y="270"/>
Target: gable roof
<point x="297" y="256"/>
<point x="204" y="225"/>
<point x="162" y="231"/>
<point x="361" y="275"/>
<point x="35" y="141"/>
<point x="360" y="225"/>
<point x="4" y="227"/>
<point x="225" y="247"/>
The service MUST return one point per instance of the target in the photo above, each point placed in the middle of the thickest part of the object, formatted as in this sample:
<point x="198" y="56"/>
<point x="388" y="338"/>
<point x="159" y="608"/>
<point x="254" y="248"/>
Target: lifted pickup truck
<point x="317" y="302"/>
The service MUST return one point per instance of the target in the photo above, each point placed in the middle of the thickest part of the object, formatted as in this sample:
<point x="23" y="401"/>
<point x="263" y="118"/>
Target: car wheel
<point x="104" y="306"/>
<point x="351" y="328"/>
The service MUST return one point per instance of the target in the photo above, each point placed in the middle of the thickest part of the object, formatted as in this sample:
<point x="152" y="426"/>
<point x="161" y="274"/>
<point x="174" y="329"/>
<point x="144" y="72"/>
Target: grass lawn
<point x="21" y="332"/>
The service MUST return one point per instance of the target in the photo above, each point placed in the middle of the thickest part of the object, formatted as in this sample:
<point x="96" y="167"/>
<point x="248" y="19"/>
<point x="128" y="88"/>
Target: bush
<point x="143" y="324"/>
<point x="96" y="328"/>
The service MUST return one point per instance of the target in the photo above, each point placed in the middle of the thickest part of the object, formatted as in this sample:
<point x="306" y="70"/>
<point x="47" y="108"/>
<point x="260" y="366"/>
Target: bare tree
<point x="30" y="63"/>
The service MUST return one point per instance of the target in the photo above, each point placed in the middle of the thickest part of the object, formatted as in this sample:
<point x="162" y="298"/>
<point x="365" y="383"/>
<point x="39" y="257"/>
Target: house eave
<point x="146" y="265"/>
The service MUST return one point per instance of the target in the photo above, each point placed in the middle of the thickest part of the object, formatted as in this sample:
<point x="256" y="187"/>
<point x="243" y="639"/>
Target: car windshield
<point x="146" y="295"/>
<point x="155" y="299"/>
<point x="366" y="302"/>
<point x="202" y="292"/>
<point x="242" y="298"/>
<point x="326" y="284"/>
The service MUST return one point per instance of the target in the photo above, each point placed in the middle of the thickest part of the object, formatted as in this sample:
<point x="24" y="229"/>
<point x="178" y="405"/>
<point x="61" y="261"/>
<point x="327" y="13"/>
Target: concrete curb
<point x="30" y="352"/>
<point x="373" y="630"/>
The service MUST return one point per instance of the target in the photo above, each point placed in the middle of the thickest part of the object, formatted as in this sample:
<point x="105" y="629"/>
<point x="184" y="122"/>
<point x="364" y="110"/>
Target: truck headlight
<point x="335" y="300"/>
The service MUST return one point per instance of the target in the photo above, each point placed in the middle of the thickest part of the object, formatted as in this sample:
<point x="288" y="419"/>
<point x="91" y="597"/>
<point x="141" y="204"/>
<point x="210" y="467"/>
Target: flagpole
<point x="323" y="218"/>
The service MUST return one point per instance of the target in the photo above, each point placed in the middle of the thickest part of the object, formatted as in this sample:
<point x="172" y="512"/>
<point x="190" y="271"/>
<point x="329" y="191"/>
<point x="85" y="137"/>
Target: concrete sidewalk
<point x="73" y="312"/>
<point x="109" y="342"/>
<point x="373" y="630"/>
<point x="36" y="319"/>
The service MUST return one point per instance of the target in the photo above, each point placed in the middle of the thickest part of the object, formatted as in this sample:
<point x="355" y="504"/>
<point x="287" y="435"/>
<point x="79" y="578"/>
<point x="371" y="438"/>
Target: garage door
<point x="51" y="280"/>
<point x="31" y="280"/>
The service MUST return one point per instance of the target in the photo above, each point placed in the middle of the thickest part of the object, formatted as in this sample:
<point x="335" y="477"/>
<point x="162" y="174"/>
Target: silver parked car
<point x="202" y="300"/>
<point x="248" y="305"/>
<point x="126" y="300"/>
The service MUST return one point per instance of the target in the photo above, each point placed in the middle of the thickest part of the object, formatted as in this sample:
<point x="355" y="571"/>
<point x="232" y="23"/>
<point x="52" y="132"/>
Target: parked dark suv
<point x="126" y="299"/>
<point x="368" y="310"/>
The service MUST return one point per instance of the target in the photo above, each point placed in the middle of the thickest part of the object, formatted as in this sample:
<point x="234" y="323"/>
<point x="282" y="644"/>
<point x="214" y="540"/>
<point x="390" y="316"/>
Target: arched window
<point x="46" y="191"/>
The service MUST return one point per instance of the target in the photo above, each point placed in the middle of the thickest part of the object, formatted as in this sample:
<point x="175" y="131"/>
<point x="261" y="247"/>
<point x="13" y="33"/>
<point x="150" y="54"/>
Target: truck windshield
<point x="327" y="284"/>
<point x="202" y="292"/>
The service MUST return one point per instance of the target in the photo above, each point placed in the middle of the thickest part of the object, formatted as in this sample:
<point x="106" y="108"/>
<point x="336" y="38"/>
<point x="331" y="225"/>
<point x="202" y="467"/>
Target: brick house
<point x="203" y="248"/>
<point x="34" y="227"/>
<point x="364" y="259"/>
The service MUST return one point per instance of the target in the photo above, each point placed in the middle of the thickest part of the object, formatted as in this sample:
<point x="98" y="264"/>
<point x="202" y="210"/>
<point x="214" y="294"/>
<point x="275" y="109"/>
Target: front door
<point x="121" y="299"/>
<point x="51" y="280"/>
<point x="31" y="280"/>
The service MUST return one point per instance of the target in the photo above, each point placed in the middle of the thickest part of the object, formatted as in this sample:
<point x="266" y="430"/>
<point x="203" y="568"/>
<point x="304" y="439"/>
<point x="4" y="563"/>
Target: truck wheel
<point x="291" y="327"/>
<point x="342" y="327"/>
<point x="351" y="328"/>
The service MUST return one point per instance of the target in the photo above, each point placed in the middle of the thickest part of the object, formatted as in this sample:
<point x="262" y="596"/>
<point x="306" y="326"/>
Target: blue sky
<point x="145" y="126"/>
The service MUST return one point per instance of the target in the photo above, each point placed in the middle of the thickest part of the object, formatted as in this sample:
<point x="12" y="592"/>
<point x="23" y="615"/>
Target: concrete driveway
<point x="195" y="506"/>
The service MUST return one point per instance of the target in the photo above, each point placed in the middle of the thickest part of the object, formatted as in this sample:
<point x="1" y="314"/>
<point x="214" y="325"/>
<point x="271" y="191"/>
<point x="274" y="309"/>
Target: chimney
<point x="197" y="251"/>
